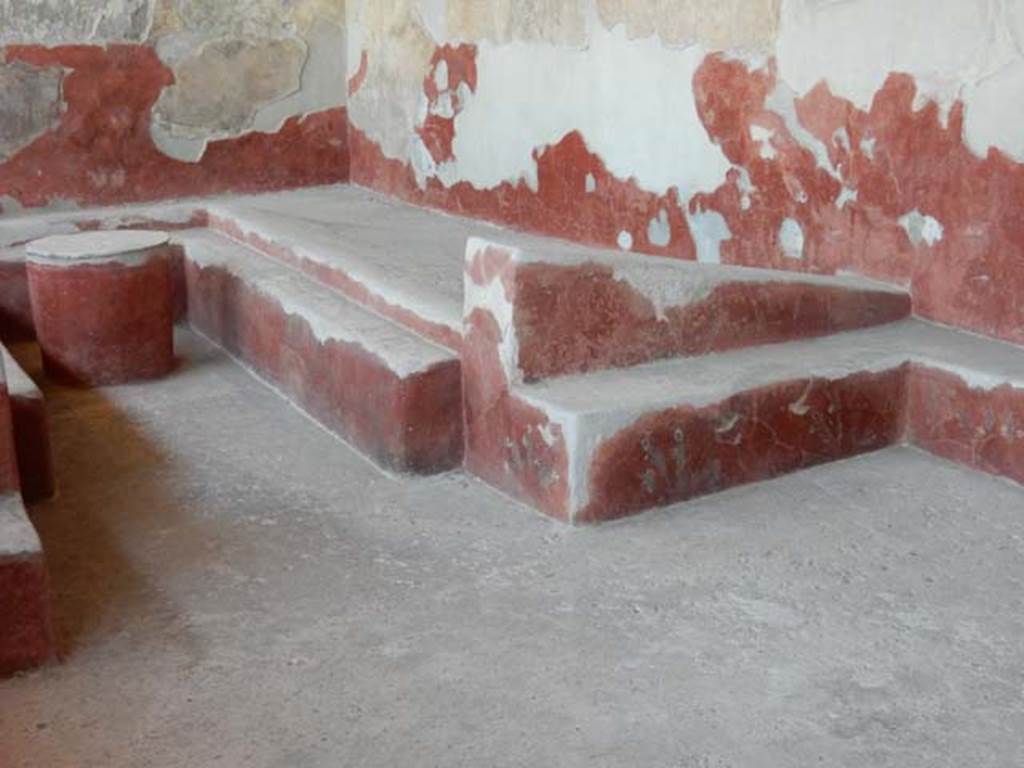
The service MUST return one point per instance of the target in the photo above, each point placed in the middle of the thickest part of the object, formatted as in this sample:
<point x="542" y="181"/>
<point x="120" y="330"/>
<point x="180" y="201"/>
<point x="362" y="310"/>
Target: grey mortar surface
<point x="237" y="588"/>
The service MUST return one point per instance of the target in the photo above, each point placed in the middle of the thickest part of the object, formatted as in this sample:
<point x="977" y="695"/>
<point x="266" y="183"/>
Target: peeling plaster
<point x="398" y="50"/>
<point x="791" y="239"/>
<point x="922" y="229"/>
<point x="31" y="104"/>
<point x="244" y="67"/>
<point x="631" y="100"/>
<point x="219" y="89"/>
<point x="659" y="231"/>
<point x="709" y="230"/>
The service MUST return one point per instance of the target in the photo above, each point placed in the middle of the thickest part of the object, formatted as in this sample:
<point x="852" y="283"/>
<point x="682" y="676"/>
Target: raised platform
<point x="393" y="394"/>
<point x="403" y="262"/>
<point x="672" y="430"/>
<point x="594" y="384"/>
<point x="613" y="441"/>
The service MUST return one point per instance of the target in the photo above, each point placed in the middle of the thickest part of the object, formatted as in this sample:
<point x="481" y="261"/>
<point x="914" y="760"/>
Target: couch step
<point x="403" y="262"/>
<point x="568" y="309"/>
<point x="391" y="393"/>
<point x="599" y="446"/>
<point x="31" y="432"/>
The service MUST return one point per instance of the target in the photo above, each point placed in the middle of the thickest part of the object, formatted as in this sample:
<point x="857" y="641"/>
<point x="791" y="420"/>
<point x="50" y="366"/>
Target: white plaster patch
<point x="709" y="230"/>
<point x="659" y="231"/>
<point x="791" y="239"/>
<point x="441" y="76"/>
<point x="18" y="537"/>
<point x="746" y="187"/>
<point x="996" y="113"/>
<point x="846" y="197"/>
<point x="625" y="241"/>
<point x="763" y="136"/>
<point x="632" y="100"/>
<point x="922" y="229"/>
<point x="493" y="298"/>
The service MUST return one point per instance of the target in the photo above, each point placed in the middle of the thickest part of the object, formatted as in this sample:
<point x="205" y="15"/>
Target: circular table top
<point x="96" y="246"/>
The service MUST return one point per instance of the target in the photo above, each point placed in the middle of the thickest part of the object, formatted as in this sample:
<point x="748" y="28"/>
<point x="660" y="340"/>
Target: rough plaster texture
<point x="399" y="49"/>
<point x="748" y="24"/>
<point x="223" y="84"/>
<point x="31" y="104"/>
<point x="244" y="66"/>
<point x="561" y="22"/>
<point x="290" y="606"/>
<point x="48" y="22"/>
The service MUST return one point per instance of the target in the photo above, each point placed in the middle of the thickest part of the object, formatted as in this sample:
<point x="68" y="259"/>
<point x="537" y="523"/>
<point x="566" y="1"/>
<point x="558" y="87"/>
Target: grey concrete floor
<point x="237" y="588"/>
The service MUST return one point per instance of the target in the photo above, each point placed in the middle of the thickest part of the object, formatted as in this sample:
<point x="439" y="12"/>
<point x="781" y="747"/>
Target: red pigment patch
<point x="897" y="159"/>
<point x="562" y="206"/>
<point x="356" y="81"/>
<point x="505" y="438"/>
<point x="488" y="264"/>
<point x="982" y="428"/>
<point x="572" y="319"/>
<point x="102" y="153"/>
<point x="445" y="99"/>
<point x="686" y="452"/>
<point x="412" y="424"/>
<point x="101" y="324"/>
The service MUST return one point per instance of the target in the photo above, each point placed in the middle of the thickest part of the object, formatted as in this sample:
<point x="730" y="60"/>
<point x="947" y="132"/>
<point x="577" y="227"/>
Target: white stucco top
<point x="18" y="538"/>
<point x="116" y="245"/>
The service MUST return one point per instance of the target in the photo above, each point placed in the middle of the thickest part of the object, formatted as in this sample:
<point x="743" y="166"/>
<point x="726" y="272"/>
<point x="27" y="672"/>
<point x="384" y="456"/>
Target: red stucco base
<point x="574" y="319"/>
<point x="755" y="435"/>
<point x="104" y="323"/>
<point x="410" y="423"/>
<point x="982" y="428"/>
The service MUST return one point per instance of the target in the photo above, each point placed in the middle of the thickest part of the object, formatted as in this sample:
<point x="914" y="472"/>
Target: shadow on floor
<point x="110" y="475"/>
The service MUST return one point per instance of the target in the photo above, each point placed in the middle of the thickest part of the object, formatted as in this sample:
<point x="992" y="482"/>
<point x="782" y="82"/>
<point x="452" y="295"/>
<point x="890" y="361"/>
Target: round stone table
<point x="102" y="305"/>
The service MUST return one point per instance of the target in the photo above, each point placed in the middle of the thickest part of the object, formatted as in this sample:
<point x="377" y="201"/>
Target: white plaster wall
<point x="632" y="98"/>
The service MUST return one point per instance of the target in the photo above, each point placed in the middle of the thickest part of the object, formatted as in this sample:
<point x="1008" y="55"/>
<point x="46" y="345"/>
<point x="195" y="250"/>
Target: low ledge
<point x="26" y="627"/>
